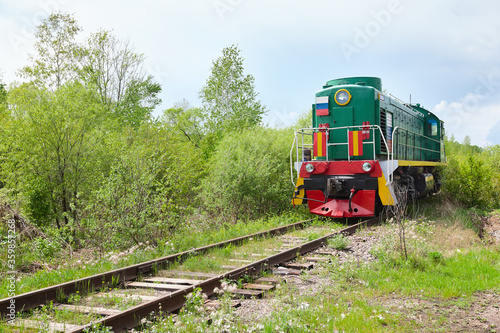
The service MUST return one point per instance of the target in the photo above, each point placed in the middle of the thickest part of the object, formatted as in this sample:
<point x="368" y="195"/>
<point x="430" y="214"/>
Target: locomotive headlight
<point x="367" y="166"/>
<point x="309" y="167"/>
<point x="342" y="97"/>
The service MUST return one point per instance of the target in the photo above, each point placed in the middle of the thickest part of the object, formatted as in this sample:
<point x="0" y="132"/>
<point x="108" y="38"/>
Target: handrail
<point x="372" y="128"/>
<point x="295" y="142"/>
<point x="391" y="160"/>
<point x="416" y="147"/>
<point x="291" y="157"/>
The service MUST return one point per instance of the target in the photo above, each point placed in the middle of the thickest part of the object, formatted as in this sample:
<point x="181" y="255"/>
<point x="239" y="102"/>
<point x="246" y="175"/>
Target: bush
<point x="248" y="174"/>
<point x="150" y="190"/>
<point x="472" y="176"/>
<point x="470" y="180"/>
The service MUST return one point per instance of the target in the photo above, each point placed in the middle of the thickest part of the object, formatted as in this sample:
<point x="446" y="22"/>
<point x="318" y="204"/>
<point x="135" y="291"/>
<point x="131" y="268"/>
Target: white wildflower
<point x="303" y="306"/>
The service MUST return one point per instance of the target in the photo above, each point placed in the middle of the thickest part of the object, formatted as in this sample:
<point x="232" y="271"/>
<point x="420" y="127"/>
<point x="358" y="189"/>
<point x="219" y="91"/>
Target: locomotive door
<point x="434" y="149"/>
<point x="342" y="117"/>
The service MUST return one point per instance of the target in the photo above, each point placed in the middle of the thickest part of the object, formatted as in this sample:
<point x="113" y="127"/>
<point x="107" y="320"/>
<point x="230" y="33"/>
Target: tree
<point x="116" y="72"/>
<point x="3" y="93"/>
<point x="55" y="62"/>
<point x="57" y="149"/>
<point x="104" y="64"/>
<point x="4" y="119"/>
<point x="152" y="186"/>
<point x="187" y="120"/>
<point x="229" y="98"/>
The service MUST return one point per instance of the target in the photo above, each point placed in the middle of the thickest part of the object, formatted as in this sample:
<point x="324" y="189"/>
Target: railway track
<point x="174" y="289"/>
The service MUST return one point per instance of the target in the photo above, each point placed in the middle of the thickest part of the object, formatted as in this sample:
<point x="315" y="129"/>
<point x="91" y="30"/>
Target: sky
<point x="444" y="55"/>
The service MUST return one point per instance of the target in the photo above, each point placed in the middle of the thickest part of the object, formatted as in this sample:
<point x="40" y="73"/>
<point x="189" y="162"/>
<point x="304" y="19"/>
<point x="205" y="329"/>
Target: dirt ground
<point x="492" y="228"/>
<point x="452" y="315"/>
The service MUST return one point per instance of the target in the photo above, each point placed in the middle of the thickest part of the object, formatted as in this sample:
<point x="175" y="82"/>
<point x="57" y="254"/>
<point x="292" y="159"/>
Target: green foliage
<point x="104" y="64"/>
<point x="187" y="121"/>
<point x="56" y="151"/>
<point x="338" y="242"/>
<point x="304" y="120"/>
<point x="124" y="205"/>
<point x="97" y="328"/>
<point x="469" y="180"/>
<point x="3" y="94"/>
<point x="56" y="51"/>
<point x="114" y="70"/>
<point x="454" y="276"/>
<point x="139" y="101"/>
<point x="46" y="247"/>
<point x="40" y="203"/>
<point x="472" y="174"/>
<point x="436" y="256"/>
<point x="229" y="98"/>
<point x="87" y="164"/>
<point x="194" y="302"/>
<point x="65" y="130"/>
<point x="148" y="192"/>
<point x="248" y="175"/>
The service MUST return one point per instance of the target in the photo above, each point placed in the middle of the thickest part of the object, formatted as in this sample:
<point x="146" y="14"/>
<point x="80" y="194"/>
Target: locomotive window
<point x="433" y="127"/>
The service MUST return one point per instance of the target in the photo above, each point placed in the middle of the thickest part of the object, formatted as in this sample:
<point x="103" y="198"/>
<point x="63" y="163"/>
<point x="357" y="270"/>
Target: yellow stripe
<point x="302" y="192"/>
<point x="355" y="139"/>
<point x="420" y="163"/>
<point x="319" y="144"/>
<point x="384" y="193"/>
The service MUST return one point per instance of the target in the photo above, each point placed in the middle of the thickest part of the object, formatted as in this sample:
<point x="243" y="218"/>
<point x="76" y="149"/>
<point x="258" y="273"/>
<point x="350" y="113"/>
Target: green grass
<point x="353" y="301"/>
<point x="447" y="266"/>
<point x="459" y="275"/>
<point x="188" y="238"/>
<point x="447" y="263"/>
<point x="338" y="242"/>
<point x="443" y="209"/>
<point x="250" y="250"/>
<point x="326" y="311"/>
<point x="49" y="313"/>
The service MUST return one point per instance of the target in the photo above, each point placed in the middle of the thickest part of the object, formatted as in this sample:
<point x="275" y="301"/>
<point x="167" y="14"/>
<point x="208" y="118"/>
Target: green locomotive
<point x="364" y="147"/>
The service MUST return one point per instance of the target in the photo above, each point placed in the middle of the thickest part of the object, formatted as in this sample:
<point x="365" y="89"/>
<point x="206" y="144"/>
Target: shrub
<point x="146" y="196"/>
<point x="248" y="174"/>
<point x="473" y="174"/>
<point x="470" y="180"/>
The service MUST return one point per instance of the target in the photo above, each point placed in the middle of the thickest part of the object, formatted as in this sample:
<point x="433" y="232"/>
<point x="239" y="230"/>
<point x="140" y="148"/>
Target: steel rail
<point x="30" y="300"/>
<point x="131" y="318"/>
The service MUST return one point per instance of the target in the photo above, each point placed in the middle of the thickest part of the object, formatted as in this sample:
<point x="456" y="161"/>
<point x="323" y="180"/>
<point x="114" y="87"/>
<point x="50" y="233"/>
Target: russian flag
<point x="322" y="106"/>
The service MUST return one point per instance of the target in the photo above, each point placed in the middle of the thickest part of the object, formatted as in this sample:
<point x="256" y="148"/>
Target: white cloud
<point x="470" y="116"/>
<point x="434" y="50"/>
<point x="494" y="134"/>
